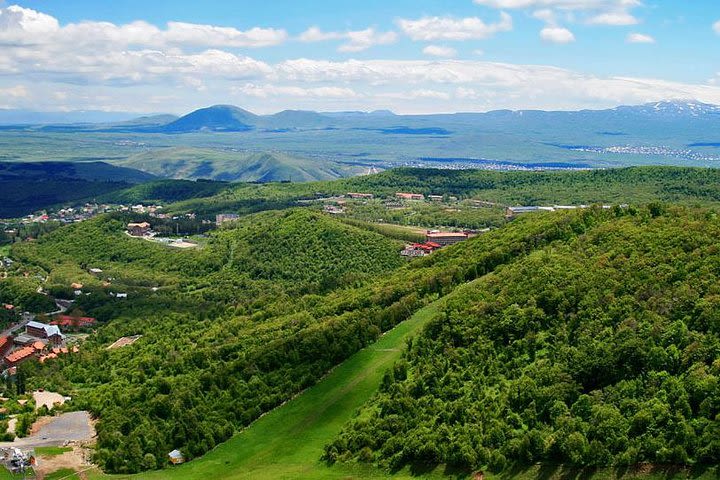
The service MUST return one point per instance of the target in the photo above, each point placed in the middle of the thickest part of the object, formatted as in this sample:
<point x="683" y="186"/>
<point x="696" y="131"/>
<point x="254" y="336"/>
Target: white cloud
<point x="314" y="34"/>
<point x="595" y="12"/>
<point x="364" y="39"/>
<point x="639" y="38"/>
<point x="24" y="26"/>
<point x="140" y="67"/>
<point x="18" y="91"/>
<point x="212" y="36"/>
<point x="561" y="4"/>
<point x="439" y="51"/>
<point x="267" y="90"/>
<point x="557" y="35"/>
<point x="716" y="27"/>
<point x="356" y="41"/>
<point x="614" y="18"/>
<point x="449" y="28"/>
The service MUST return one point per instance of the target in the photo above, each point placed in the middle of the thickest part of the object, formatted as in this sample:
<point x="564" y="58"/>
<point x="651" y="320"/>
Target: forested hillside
<point x="221" y="348"/>
<point x="551" y="325"/>
<point x="599" y="350"/>
<point x="638" y="185"/>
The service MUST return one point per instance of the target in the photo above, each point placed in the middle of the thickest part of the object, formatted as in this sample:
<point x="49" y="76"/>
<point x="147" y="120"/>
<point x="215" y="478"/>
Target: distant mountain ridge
<point x="230" y="118"/>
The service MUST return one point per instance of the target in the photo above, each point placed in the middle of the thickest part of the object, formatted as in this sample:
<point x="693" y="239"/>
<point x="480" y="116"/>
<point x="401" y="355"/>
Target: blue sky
<point x="411" y="56"/>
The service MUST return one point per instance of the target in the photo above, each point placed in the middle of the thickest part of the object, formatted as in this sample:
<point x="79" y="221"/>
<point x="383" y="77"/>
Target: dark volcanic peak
<point x="218" y="118"/>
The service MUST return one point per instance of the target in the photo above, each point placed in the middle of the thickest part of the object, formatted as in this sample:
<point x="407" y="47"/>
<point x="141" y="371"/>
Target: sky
<point x="409" y="56"/>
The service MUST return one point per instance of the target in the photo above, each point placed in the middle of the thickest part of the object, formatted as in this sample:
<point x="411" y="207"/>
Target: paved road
<point x="26" y="318"/>
<point x="68" y="427"/>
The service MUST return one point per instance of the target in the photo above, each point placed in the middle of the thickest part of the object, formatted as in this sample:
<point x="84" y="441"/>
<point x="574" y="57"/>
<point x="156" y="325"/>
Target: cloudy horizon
<point x="413" y="57"/>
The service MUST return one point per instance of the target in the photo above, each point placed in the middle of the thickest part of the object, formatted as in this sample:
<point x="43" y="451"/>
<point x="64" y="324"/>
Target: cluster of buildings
<point x="39" y="341"/>
<point x="511" y="212"/>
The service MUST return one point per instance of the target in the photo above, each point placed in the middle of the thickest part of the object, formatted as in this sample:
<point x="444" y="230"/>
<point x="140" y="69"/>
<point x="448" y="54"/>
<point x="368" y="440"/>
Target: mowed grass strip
<point x="288" y="442"/>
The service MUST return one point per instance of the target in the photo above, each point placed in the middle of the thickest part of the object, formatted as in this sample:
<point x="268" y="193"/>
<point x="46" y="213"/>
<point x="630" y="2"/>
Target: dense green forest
<point x="552" y="324"/>
<point x="600" y="350"/>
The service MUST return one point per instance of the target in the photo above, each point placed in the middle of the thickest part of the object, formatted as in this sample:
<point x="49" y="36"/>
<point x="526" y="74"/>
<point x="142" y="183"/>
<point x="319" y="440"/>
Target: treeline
<point x="598" y="350"/>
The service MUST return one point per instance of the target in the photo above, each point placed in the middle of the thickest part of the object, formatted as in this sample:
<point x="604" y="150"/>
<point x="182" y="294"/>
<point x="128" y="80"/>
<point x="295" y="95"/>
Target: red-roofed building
<point x="6" y="344"/>
<point x="446" y="238"/>
<point x="19" y="356"/>
<point x="66" y="321"/>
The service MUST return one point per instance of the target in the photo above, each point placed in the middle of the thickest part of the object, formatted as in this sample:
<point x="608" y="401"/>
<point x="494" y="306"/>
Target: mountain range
<point x="229" y="118"/>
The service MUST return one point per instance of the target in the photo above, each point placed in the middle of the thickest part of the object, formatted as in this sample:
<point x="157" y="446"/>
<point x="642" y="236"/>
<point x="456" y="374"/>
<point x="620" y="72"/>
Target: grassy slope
<point x="288" y="442"/>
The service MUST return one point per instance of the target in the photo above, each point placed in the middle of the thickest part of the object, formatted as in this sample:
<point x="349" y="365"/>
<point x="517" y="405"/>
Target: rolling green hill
<point x="234" y="166"/>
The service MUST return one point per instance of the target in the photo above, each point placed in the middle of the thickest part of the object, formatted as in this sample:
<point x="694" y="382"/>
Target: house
<point x="40" y="330"/>
<point x="225" y="217"/>
<point x="513" y="211"/>
<point x="410" y="196"/>
<point x="95" y="270"/>
<point x="6" y="345"/>
<point x="176" y="457"/>
<point x="435" y="198"/>
<point x="138" y="229"/>
<point x="361" y="195"/>
<point x="18" y="356"/>
<point x="445" y="238"/>
<point x="333" y="210"/>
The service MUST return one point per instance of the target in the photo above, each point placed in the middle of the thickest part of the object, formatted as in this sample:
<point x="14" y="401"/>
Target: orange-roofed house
<point x="6" y="344"/>
<point x="18" y="356"/>
<point x="38" y="346"/>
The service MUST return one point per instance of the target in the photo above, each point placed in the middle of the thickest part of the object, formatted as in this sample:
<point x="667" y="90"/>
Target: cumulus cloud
<point x="141" y="67"/>
<point x="439" y="51"/>
<point x="639" y="38"/>
<point x="24" y="26"/>
<point x="449" y="28"/>
<point x="716" y="27"/>
<point x="557" y="35"/>
<point x="356" y="41"/>
<point x="614" y="18"/>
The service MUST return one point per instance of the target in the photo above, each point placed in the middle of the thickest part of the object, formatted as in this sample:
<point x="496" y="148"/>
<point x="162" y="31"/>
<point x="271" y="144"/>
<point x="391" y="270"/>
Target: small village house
<point x="176" y="457"/>
<point x="361" y="195"/>
<point x="410" y="196"/>
<point x="138" y="229"/>
<point x="225" y="217"/>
